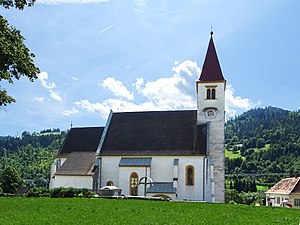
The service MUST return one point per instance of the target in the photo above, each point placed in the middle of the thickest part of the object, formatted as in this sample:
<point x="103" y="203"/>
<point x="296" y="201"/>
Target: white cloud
<point x="167" y="93"/>
<point x="74" y="78"/>
<point x="38" y="99"/>
<point x="50" y="86"/>
<point x="140" y="5"/>
<point x="139" y="82"/>
<point x="175" y="92"/>
<point x="56" y="2"/>
<point x="55" y="95"/>
<point x="117" y="88"/>
<point x="93" y="107"/>
<point x="70" y="112"/>
<point x="236" y="103"/>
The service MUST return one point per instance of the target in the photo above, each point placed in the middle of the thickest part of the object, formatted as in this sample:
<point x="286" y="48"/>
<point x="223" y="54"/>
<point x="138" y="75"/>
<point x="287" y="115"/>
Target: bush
<point x="60" y="193"/>
<point x="248" y="198"/>
<point x="38" y="192"/>
<point x="71" y="193"/>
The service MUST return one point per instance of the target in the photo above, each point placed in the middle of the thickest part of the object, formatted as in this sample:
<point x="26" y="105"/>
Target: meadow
<point x="125" y="211"/>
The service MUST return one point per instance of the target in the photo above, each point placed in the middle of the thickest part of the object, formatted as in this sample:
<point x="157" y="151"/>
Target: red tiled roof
<point x="286" y="186"/>
<point x="211" y="70"/>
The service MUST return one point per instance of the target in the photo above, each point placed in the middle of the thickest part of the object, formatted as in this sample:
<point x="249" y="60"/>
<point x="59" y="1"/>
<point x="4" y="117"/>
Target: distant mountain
<point x="267" y="141"/>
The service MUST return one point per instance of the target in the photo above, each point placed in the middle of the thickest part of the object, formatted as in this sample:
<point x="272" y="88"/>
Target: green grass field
<point x="124" y="211"/>
<point x="261" y="188"/>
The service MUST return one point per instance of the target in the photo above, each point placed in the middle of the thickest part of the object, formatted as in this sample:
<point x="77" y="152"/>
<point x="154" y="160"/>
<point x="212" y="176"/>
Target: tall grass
<point x="115" y="211"/>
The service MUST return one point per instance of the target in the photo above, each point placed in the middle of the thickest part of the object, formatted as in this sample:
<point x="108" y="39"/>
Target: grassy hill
<point x="118" y="211"/>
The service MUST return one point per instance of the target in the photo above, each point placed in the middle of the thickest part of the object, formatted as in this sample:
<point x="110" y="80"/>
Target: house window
<point x="190" y="174"/>
<point x="134" y="182"/>
<point x="278" y="200"/>
<point x="297" y="202"/>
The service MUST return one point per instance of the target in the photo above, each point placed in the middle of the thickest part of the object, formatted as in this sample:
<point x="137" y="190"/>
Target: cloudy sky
<point x="137" y="55"/>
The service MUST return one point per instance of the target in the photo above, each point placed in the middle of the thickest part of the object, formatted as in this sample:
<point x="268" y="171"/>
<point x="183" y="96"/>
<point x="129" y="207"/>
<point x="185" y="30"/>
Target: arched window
<point x="190" y="174"/>
<point x="213" y="93"/>
<point x="208" y="94"/>
<point x="134" y="184"/>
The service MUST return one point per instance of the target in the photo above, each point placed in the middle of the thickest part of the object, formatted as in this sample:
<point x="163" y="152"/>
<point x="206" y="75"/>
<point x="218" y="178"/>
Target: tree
<point x="10" y="180"/>
<point x="15" y="58"/>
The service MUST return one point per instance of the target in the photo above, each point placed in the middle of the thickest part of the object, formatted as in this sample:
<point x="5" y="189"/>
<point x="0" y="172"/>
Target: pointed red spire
<point x="211" y="70"/>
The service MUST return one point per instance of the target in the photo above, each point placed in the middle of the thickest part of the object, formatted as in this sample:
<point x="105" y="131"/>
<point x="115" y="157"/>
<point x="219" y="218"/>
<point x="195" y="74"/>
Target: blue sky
<point x="138" y="55"/>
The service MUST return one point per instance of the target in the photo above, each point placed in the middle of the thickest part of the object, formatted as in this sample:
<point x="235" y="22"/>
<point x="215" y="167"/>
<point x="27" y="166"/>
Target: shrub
<point x="38" y="192"/>
<point x="71" y="193"/>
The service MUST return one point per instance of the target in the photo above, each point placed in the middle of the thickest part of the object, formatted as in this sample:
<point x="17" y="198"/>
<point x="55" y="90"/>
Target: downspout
<point x="204" y="161"/>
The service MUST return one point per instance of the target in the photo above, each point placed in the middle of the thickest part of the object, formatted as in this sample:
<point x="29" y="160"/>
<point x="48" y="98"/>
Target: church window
<point x="208" y="94"/>
<point x="134" y="182"/>
<point x="213" y="93"/>
<point x="190" y="174"/>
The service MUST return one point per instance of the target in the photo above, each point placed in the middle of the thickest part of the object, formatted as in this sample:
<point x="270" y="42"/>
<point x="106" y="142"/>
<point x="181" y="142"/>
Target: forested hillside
<point x="261" y="141"/>
<point x="267" y="140"/>
<point x="31" y="154"/>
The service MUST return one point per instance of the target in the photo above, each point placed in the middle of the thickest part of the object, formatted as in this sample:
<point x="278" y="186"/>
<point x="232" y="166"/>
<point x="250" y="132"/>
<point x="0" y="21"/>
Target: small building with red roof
<point x="285" y="192"/>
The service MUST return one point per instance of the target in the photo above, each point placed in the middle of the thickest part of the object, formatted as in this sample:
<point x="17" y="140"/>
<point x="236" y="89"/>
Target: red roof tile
<point x="211" y="70"/>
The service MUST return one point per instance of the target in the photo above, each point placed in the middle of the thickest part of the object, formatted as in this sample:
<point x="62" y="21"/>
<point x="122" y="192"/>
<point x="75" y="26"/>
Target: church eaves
<point x="211" y="70"/>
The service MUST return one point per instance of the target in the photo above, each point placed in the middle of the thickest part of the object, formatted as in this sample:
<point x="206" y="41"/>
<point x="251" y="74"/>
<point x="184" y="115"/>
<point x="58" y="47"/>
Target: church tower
<point x="211" y="111"/>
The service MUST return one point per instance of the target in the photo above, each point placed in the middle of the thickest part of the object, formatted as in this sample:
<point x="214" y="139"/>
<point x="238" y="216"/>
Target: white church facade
<point x="179" y="154"/>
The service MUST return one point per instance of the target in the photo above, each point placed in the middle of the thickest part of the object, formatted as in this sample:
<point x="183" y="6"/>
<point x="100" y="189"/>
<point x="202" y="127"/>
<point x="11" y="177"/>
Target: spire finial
<point x="71" y="125"/>
<point x="211" y="30"/>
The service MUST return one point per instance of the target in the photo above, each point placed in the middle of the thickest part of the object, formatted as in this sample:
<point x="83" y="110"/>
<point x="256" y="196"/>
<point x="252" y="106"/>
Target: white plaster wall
<point x="53" y="170"/>
<point x="281" y="196"/>
<point x="110" y="170"/>
<point x="73" y="181"/>
<point x="216" y="153"/>
<point x="52" y="178"/>
<point x="162" y="168"/>
<point x="194" y="192"/>
<point x="161" y="171"/>
<point x="124" y="176"/>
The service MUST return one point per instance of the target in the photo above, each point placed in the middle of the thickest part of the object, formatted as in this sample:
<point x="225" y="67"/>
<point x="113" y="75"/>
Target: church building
<point x="179" y="154"/>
